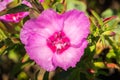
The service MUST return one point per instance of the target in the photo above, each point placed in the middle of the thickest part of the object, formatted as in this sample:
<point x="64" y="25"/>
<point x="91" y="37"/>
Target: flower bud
<point x="109" y="33"/>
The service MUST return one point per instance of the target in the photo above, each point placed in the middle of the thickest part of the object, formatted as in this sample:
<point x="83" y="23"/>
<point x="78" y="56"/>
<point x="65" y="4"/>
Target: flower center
<point x="14" y="17"/>
<point x="58" y="42"/>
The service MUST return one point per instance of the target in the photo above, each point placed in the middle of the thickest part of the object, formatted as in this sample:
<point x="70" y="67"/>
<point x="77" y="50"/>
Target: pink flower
<point x="56" y="40"/>
<point x="15" y="17"/>
<point x="41" y="0"/>
<point x="26" y="3"/>
<point x="3" y="4"/>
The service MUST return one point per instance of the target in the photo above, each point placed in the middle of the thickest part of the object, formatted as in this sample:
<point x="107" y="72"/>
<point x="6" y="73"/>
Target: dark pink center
<point x="14" y="17"/>
<point x="58" y="42"/>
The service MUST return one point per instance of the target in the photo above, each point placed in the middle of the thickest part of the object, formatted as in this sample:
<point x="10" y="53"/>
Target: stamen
<point x="58" y="42"/>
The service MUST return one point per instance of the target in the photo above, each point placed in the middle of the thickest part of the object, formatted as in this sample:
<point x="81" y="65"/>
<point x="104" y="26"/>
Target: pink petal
<point x="76" y="26"/>
<point x="4" y="3"/>
<point x="45" y="25"/>
<point x="41" y="0"/>
<point x="70" y="57"/>
<point x="26" y="3"/>
<point x="36" y="40"/>
<point x="17" y="17"/>
<point x="51" y="20"/>
<point x="39" y="52"/>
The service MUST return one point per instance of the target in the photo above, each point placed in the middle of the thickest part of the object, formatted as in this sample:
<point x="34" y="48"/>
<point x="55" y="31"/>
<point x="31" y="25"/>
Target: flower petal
<point x="76" y="26"/>
<point x="45" y="25"/>
<point x="70" y="57"/>
<point x="39" y="52"/>
<point x="41" y="0"/>
<point x="26" y="3"/>
<point x="15" y="17"/>
<point x="51" y="20"/>
<point x="4" y="3"/>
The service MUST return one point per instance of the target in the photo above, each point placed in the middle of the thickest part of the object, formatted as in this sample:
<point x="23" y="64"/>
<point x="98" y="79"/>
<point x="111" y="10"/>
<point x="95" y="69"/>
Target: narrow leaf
<point x="106" y="20"/>
<point x="46" y="76"/>
<point x="97" y="17"/>
<point x="36" y="75"/>
<point x="19" y="8"/>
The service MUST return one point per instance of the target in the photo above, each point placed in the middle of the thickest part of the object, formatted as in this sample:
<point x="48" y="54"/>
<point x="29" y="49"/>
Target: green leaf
<point x="46" y="76"/>
<point x="75" y="74"/>
<point x="59" y="7"/>
<point x="56" y="0"/>
<point x="14" y="3"/>
<point x="97" y="17"/>
<point x="19" y="8"/>
<point x="36" y="6"/>
<point x="2" y="35"/>
<point x="36" y="75"/>
<point x="18" y="67"/>
<point x="99" y="64"/>
<point x="13" y="55"/>
<point x="101" y="72"/>
<point x="107" y="13"/>
<point x="92" y="48"/>
<point x="8" y="26"/>
<point x="74" y="4"/>
<point x="22" y="76"/>
<point x="111" y="54"/>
